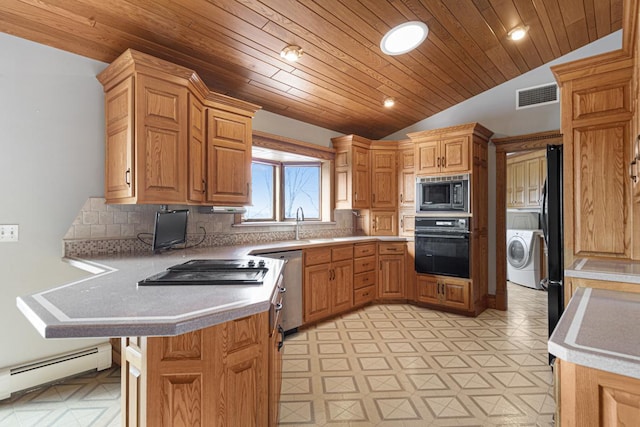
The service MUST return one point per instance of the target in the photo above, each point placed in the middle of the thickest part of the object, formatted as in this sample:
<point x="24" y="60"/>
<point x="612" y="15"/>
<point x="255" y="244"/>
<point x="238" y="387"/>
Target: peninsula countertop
<point x="599" y="329"/>
<point x="110" y="304"/>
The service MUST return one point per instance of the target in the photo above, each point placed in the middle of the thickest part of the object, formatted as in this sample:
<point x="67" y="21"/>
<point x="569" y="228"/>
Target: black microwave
<point x="442" y="194"/>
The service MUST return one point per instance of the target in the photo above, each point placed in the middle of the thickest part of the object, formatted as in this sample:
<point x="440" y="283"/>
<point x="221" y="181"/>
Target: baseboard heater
<point x="40" y="372"/>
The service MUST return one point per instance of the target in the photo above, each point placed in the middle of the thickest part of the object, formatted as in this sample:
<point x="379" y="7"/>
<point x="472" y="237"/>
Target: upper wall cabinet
<point x="352" y="172"/>
<point x="525" y="178"/>
<point x="169" y="139"/>
<point x="596" y="126"/>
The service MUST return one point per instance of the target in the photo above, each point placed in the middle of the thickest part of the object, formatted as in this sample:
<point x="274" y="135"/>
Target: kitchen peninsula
<point x="191" y="355"/>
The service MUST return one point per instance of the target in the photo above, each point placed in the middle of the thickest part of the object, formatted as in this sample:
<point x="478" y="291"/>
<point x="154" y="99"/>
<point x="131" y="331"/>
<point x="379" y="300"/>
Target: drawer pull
<point x="278" y="307"/>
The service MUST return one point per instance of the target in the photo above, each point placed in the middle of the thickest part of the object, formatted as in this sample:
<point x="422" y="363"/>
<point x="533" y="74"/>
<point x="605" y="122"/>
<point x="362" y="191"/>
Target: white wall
<point x="51" y="156"/>
<point x="295" y="129"/>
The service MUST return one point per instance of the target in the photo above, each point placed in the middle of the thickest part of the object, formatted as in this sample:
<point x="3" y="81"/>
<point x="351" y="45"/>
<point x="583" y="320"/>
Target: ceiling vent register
<point x="537" y="96"/>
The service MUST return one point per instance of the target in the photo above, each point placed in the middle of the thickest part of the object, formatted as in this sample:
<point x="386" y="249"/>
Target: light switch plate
<point x="8" y="233"/>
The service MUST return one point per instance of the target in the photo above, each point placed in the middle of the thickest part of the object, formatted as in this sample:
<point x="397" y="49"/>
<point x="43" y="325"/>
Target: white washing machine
<point x="523" y="257"/>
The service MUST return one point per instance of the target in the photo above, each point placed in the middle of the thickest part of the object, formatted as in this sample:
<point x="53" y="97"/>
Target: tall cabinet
<point x="597" y="114"/>
<point x="169" y="140"/>
<point x="451" y="151"/>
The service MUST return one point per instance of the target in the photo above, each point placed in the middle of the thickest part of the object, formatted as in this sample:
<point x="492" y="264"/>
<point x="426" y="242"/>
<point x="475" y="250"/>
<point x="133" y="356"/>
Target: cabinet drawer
<point x="364" y="279"/>
<point x="391" y="248"/>
<point x="340" y="253"/>
<point x="317" y="256"/>
<point x="364" y="295"/>
<point x="364" y="264"/>
<point x="364" y="250"/>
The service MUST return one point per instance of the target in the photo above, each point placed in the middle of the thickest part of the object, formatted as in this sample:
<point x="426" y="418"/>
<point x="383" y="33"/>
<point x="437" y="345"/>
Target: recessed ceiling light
<point x="389" y="102"/>
<point x="517" y="33"/>
<point x="404" y="37"/>
<point x="291" y="53"/>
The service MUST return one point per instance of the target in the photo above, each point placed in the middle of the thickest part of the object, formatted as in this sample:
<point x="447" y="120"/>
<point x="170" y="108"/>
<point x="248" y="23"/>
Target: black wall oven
<point x="442" y="246"/>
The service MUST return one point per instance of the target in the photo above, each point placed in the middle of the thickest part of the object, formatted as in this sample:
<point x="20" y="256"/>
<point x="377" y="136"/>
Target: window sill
<point x="291" y="224"/>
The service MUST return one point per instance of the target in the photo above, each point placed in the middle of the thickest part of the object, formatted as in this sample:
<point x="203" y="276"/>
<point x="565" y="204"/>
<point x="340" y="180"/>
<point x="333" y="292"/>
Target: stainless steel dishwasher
<point x="292" y="299"/>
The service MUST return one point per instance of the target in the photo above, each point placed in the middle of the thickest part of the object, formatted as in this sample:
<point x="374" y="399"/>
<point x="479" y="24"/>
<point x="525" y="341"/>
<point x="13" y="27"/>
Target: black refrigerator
<point x="552" y="219"/>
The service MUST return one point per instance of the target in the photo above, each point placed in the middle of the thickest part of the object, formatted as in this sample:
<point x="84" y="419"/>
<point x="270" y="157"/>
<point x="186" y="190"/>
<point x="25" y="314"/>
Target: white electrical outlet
<point x="8" y="233"/>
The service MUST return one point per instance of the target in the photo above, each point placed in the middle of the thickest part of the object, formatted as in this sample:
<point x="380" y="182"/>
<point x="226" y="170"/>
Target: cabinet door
<point x="161" y="140"/>
<point x="454" y="154"/>
<point x="427" y="157"/>
<point x="391" y="277"/>
<point x="383" y="179"/>
<point x="342" y="286"/>
<point x="602" y="225"/>
<point x="361" y="178"/>
<point x="510" y="188"/>
<point x="383" y="223"/>
<point x="119" y="180"/>
<point x="317" y="300"/>
<point x="407" y="180"/>
<point x="455" y="293"/>
<point x="519" y="185"/>
<point x="533" y="188"/>
<point x="427" y="289"/>
<point x="407" y="223"/>
<point x="228" y="158"/>
<point x="197" y="154"/>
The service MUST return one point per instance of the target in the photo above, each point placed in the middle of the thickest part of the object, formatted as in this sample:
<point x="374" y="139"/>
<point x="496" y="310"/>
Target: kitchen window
<point x="279" y="188"/>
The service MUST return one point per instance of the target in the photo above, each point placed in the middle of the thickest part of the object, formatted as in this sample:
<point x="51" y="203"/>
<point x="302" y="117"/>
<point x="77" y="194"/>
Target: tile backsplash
<point x="100" y="229"/>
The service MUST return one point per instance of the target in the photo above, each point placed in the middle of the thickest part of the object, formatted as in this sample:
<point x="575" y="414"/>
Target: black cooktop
<point x="211" y="272"/>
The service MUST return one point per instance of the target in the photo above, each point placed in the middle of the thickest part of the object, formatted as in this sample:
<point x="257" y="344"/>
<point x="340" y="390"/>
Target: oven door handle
<point x="444" y="236"/>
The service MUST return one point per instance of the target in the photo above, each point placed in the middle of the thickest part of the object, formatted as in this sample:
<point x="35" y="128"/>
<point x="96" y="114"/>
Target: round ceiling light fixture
<point x="291" y="53"/>
<point x="404" y="37"/>
<point x="389" y="102"/>
<point x="518" y="33"/>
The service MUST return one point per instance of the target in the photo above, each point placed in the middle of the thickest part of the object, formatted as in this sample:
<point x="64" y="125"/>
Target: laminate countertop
<point x="109" y="303"/>
<point x="599" y="329"/>
<point x="610" y="270"/>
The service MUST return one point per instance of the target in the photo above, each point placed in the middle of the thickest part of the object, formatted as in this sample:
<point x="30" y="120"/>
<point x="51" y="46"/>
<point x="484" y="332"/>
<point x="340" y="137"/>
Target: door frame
<point x="512" y="144"/>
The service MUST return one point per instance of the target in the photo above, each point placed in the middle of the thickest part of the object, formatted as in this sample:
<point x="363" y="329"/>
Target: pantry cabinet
<point x="384" y="185"/>
<point x="596" y="126"/>
<point x="328" y="282"/>
<point x="158" y="147"/>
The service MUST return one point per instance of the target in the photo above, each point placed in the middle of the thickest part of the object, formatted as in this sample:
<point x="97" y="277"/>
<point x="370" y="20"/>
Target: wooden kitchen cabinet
<point x="443" y="291"/>
<point x="158" y="149"/>
<point x="406" y="176"/>
<point x="571" y="285"/>
<point x="596" y="123"/>
<point x="442" y="155"/>
<point x="407" y="223"/>
<point x="384" y="223"/>
<point x="328" y="282"/>
<point x="384" y="185"/>
<point x="352" y="172"/>
<point x="526" y="174"/>
<point x="213" y="376"/>
<point x="364" y="273"/>
<point x="591" y="397"/>
<point x="391" y="260"/>
<point x="229" y="158"/>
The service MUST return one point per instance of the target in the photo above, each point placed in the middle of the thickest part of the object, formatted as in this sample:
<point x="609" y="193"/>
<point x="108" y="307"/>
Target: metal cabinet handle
<point x="204" y="186"/>
<point x="443" y="162"/>
<point x="356" y="195"/>
<point x="278" y="307"/>
<point x="438" y="161"/>
<point x="281" y="332"/>
<point x="283" y="290"/>
<point x="402" y="223"/>
<point x="401" y="198"/>
<point x="633" y="171"/>
<point x="374" y="197"/>
<point x="637" y="148"/>
<point x="127" y="176"/>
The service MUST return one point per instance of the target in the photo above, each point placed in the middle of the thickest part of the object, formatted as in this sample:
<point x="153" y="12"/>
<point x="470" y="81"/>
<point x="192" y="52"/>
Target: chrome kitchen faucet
<point x="299" y="217"/>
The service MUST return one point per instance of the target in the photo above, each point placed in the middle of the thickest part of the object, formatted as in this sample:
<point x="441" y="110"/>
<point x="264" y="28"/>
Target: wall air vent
<point x="537" y="95"/>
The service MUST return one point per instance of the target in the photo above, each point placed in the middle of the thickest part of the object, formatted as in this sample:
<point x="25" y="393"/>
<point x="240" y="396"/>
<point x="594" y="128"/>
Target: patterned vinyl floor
<point x="385" y="365"/>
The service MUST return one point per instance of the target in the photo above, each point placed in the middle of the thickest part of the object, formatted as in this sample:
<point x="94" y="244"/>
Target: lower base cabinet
<point x="217" y="376"/>
<point x="590" y="397"/>
<point x="444" y="291"/>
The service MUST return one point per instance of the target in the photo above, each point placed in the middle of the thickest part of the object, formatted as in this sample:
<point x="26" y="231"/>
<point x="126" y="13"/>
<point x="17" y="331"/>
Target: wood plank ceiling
<point x="343" y="77"/>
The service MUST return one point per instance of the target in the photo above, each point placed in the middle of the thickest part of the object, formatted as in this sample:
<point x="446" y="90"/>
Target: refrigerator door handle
<point x="543" y="214"/>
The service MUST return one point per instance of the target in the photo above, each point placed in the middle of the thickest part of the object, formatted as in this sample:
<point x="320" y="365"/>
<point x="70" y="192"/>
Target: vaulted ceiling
<point x="343" y="77"/>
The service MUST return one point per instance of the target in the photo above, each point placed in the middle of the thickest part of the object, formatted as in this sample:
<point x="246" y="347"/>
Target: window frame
<point x="275" y="166"/>
<point x="283" y="165"/>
